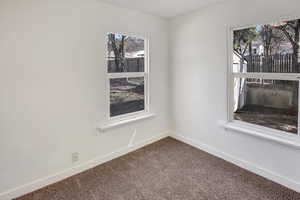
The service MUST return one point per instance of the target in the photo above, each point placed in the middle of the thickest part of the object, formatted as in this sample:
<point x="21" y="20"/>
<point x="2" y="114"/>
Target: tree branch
<point x="291" y="24"/>
<point x="246" y="47"/>
<point x="286" y="33"/>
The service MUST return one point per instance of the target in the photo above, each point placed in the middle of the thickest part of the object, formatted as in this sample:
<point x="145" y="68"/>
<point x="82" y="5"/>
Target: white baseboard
<point x="239" y="162"/>
<point x="42" y="182"/>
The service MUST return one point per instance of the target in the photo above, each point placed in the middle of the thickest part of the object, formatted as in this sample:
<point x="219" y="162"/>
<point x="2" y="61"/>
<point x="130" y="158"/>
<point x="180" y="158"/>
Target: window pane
<point x="126" y="95"/>
<point x="269" y="103"/>
<point x="267" y="48"/>
<point x="125" y="53"/>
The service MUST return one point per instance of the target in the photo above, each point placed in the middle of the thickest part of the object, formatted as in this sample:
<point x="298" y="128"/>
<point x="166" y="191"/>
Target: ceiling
<point x="163" y="8"/>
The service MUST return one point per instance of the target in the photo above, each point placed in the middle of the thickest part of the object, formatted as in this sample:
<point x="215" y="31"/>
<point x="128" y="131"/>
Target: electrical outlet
<point x="75" y="157"/>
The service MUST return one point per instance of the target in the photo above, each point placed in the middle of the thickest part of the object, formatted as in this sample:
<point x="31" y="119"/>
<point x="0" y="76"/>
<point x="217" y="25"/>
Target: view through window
<point x="265" y="73"/>
<point x="126" y="74"/>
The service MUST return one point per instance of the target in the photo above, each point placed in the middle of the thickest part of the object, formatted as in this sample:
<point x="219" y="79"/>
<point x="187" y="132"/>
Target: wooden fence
<point x="279" y="63"/>
<point x="132" y="64"/>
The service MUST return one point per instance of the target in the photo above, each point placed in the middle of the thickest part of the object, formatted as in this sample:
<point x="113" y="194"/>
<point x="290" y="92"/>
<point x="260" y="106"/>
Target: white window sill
<point x="111" y="125"/>
<point x="260" y="134"/>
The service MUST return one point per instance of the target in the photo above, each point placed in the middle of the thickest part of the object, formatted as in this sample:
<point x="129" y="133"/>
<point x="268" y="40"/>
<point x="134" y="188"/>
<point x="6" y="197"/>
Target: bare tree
<point x="266" y="34"/>
<point x="291" y="30"/>
<point x="118" y="47"/>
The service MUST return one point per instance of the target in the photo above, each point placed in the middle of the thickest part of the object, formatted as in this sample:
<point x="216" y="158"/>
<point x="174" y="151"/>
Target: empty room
<point x="149" y="100"/>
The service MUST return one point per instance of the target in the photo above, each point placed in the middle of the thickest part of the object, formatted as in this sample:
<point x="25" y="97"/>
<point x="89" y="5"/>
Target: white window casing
<point x="122" y="119"/>
<point x="245" y="127"/>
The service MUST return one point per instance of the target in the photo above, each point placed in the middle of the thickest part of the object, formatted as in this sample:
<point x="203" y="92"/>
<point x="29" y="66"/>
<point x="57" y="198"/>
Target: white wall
<point x="52" y="84"/>
<point x="199" y="64"/>
<point x="52" y="64"/>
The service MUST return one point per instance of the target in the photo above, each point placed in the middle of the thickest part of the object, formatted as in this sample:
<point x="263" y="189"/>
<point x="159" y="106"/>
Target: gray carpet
<point x="165" y="170"/>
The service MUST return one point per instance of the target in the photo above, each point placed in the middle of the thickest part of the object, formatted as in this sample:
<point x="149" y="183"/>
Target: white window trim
<point x="260" y="133"/>
<point x="111" y="122"/>
<point x="282" y="137"/>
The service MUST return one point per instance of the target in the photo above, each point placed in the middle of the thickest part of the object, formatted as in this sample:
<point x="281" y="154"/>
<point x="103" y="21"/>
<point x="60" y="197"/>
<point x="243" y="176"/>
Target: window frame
<point x="144" y="74"/>
<point x="275" y="76"/>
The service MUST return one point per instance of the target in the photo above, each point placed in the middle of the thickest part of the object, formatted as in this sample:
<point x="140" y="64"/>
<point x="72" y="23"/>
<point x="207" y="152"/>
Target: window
<point x="264" y="76"/>
<point x="127" y="75"/>
<point x="254" y="51"/>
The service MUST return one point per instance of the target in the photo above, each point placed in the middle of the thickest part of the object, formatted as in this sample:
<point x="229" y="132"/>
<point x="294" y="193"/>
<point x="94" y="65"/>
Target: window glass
<point x="126" y="95"/>
<point x="269" y="103"/>
<point x="125" y="53"/>
<point x="266" y="75"/>
<point x="269" y="48"/>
